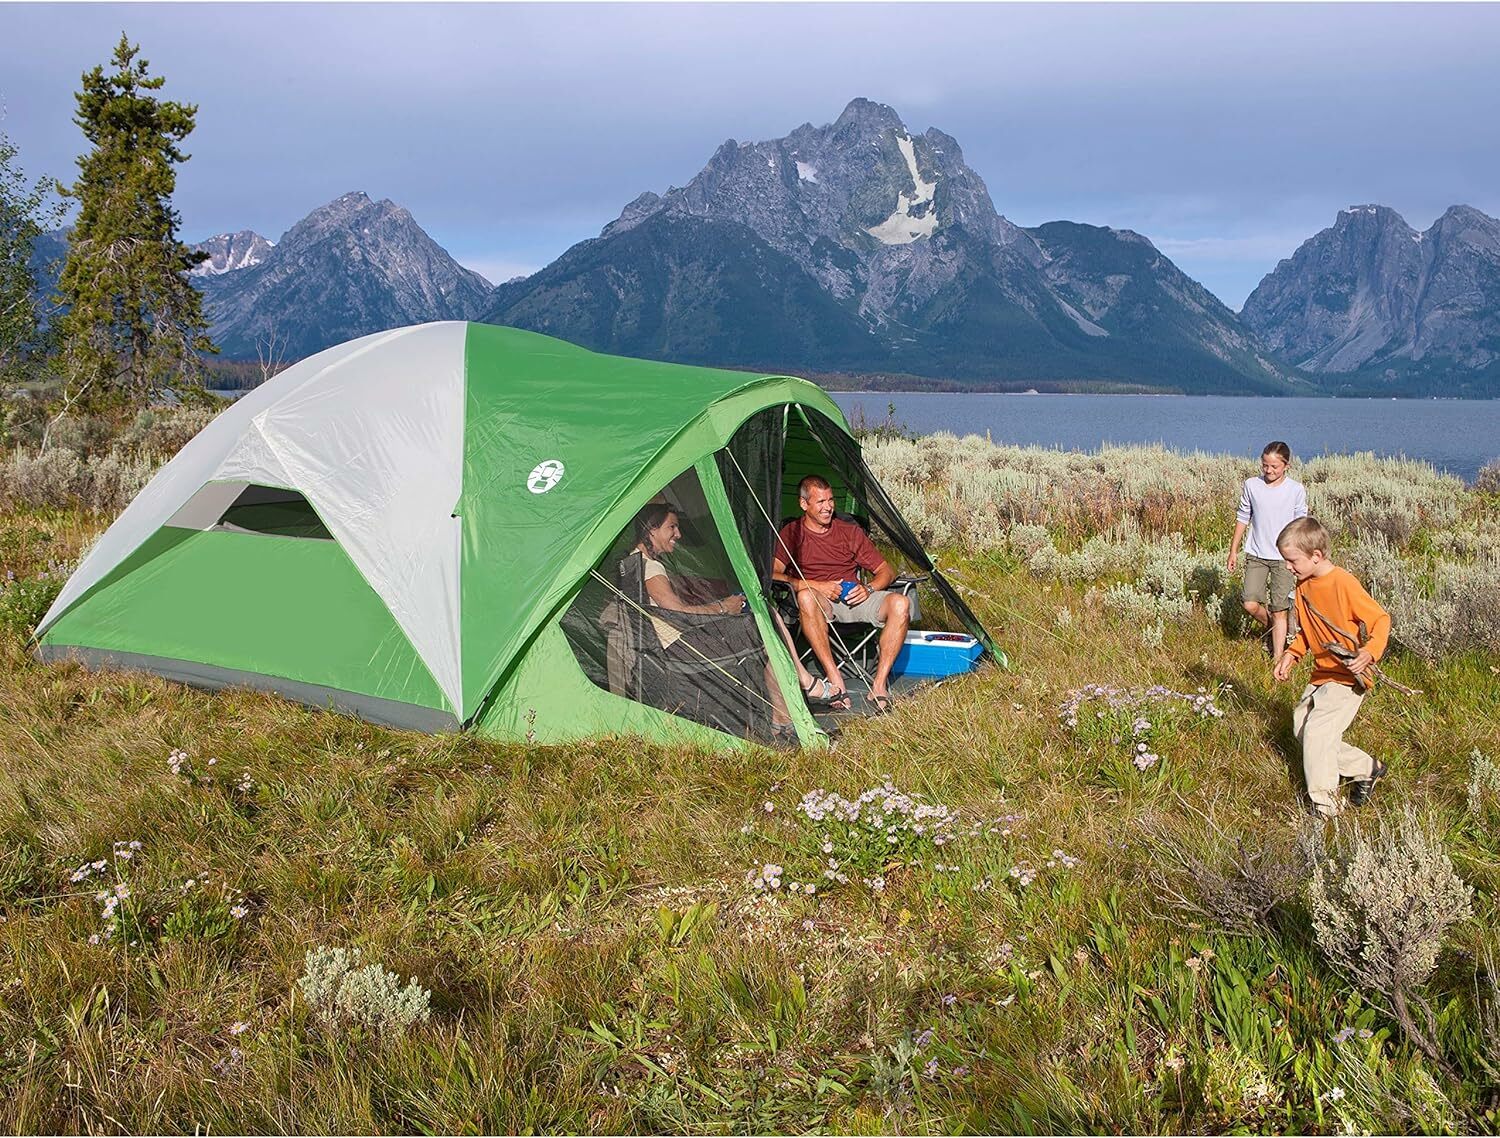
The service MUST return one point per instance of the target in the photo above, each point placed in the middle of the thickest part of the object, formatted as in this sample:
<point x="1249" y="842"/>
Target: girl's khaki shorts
<point x="1265" y="578"/>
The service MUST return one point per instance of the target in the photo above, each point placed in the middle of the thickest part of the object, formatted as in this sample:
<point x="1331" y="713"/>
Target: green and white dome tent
<point x="423" y="527"/>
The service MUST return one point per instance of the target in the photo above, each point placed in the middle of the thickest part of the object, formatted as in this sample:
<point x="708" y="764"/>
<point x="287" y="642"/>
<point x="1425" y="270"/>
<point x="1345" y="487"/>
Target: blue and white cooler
<point x="937" y="654"/>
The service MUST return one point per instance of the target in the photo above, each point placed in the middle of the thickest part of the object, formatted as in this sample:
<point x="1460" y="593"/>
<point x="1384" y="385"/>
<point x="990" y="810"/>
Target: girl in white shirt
<point x="1267" y="505"/>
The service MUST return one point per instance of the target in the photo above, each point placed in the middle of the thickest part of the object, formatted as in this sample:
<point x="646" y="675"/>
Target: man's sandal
<point x="881" y="703"/>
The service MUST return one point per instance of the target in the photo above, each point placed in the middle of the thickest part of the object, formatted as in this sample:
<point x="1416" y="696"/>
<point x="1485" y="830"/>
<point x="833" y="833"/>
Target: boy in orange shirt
<point x="1331" y="605"/>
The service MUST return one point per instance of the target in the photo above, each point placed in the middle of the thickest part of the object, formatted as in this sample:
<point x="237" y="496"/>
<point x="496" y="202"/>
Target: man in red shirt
<point x="820" y="556"/>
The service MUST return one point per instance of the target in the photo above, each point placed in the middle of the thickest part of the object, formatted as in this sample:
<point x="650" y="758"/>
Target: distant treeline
<point x="232" y="375"/>
<point x="242" y="375"/>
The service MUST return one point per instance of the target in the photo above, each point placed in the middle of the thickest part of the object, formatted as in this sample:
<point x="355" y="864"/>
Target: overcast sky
<point x="1227" y="134"/>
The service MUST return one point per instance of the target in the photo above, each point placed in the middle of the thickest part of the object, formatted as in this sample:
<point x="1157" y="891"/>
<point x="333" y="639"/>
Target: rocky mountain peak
<point x="1465" y="223"/>
<point x="228" y="252"/>
<point x="350" y="203"/>
<point x="1368" y="215"/>
<point x="1372" y="294"/>
<point x="348" y="213"/>
<point x="858" y="198"/>
<point x="944" y="145"/>
<point x="351" y="266"/>
<point x="865" y="116"/>
<point x="1468" y="213"/>
<point x="633" y="214"/>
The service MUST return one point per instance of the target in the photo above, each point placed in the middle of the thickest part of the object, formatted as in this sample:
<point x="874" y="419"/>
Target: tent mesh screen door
<point x="857" y="491"/>
<point x="710" y="667"/>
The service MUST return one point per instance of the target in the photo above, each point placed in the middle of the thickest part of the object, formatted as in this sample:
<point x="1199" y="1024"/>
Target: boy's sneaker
<point x="1359" y="792"/>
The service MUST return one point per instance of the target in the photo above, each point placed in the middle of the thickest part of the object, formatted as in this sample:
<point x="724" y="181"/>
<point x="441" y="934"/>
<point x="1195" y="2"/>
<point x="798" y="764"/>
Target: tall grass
<point x="1095" y="944"/>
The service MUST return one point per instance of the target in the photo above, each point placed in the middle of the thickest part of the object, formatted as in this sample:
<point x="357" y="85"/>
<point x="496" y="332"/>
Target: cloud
<point x="1226" y="133"/>
<point x="1259" y="248"/>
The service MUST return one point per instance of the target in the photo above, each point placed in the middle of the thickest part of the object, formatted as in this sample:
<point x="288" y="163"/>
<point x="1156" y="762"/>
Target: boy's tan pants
<point x="1319" y="721"/>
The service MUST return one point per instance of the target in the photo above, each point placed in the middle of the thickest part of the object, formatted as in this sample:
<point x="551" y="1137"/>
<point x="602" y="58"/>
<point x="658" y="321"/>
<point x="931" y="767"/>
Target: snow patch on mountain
<point x="914" y="217"/>
<point x="228" y="252"/>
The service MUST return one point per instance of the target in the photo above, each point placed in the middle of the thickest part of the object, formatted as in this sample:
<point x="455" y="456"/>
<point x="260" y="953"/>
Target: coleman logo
<point x="546" y="475"/>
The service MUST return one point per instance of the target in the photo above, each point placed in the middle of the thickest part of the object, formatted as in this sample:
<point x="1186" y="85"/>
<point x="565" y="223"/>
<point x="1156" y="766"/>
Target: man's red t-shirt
<point x="830" y="556"/>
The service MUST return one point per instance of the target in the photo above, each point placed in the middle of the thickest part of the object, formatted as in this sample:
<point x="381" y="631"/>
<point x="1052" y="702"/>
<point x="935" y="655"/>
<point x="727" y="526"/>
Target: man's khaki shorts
<point x="1262" y="574"/>
<point x="866" y="612"/>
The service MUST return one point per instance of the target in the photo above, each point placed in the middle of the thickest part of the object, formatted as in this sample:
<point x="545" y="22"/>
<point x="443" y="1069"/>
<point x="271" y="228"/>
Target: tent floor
<point x="901" y="687"/>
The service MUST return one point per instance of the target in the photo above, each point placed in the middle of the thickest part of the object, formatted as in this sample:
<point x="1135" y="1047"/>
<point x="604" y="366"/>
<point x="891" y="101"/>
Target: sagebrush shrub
<point x="76" y="469"/>
<point x="1474" y="591"/>
<point x="1484" y="782"/>
<point x="984" y="489"/>
<point x="163" y="432"/>
<point x="1435" y="612"/>
<point x="987" y="489"/>
<point x="1045" y="563"/>
<point x="1382" y="905"/>
<point x="1237" y="882"/>
<point x="1381" y="908"/>
<point x="22" y="419"/>
<point x="342" y="992"/>
<point x="40" y="479"/>
<point x="1488" y="479"/>
<point x="62" y="478"/>
<point x="82" y="434"/>
<point x="1488" y="983"/>
<point x="1025" y="538"/>
<point x="1363" y="495"/>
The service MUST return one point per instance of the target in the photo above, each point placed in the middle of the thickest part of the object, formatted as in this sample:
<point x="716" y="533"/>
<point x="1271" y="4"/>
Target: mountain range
<point x="860" y="247"/>
<point x="1371" y="303"/>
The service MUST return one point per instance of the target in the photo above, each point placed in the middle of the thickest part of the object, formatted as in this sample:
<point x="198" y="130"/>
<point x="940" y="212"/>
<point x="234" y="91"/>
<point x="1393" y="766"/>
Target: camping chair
<point x="862" y="654"/>
<point x="722" y="689"/>
<point x="853" y="645"/>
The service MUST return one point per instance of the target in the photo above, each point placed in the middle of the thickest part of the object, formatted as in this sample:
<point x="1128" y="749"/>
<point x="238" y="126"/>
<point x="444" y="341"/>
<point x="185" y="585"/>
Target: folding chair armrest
<point x="907" y="585"/>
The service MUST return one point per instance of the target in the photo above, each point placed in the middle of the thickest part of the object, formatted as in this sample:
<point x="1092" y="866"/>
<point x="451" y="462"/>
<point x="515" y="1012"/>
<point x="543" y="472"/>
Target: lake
<point x="1455" y="435"/>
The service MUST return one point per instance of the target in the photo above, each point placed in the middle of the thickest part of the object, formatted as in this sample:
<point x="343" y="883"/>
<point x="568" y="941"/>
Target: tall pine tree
<point x="134" y="325"/>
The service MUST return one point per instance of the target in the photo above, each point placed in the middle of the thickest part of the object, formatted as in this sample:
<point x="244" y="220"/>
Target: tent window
<point x="708" y="667"/>
<point x="273" y="511"/>
<point x="750" y="467"/>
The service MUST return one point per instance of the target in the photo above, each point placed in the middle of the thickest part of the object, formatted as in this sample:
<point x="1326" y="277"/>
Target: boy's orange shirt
<point x="1344" y="601"/>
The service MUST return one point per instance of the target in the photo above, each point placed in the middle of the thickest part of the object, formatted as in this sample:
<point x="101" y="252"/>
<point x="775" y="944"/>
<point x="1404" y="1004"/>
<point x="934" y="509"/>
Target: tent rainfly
<point x="427" y="528"/>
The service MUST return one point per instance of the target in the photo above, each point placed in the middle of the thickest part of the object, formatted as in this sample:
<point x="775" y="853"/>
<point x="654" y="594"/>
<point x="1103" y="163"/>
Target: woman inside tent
<point x="658" y="532"/>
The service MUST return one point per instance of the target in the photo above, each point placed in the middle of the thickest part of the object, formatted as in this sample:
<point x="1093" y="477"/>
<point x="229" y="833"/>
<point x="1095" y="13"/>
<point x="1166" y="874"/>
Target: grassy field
<point x="1075" y="896"/>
